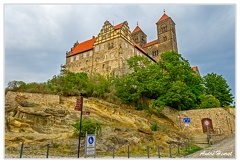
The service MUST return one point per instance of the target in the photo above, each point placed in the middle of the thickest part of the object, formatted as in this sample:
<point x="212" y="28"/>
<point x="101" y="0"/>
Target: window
<point x="77" y="57"/>
<point x="84" y="55"/>
<point x="102" y="47"/>
<point x="112" y="55"/>
<point x="164" y="38"/>
<point x="86" y="62"/>
<point x="155" y="53"/>
<point x="126" y="45"/>
<point x="72" y="59"/>
<point x="132" y="50"/>
<point x="90" y="53"/>
<point x="96" y="48"/>
<point x="110" y="45"/>
<point x="106" y="56"/>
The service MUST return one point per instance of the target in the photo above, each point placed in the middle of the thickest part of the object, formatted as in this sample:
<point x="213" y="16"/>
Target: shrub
<point x="209" y="101"/>
<point x="88" y="126"/>
<point x="154" y="127"/>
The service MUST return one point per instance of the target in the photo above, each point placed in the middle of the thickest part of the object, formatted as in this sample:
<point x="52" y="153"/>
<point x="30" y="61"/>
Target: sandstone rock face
<point x="38" y="119"/>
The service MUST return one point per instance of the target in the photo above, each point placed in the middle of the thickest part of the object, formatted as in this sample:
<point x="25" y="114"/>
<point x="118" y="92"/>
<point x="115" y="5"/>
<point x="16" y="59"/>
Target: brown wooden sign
<point x="79" y="103"/>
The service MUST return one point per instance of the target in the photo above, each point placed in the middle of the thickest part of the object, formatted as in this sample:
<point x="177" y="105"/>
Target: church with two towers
<point x="107" y="53"/>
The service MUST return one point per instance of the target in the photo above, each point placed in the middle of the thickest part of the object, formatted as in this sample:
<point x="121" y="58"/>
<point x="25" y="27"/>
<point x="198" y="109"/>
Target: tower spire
<point x="137" y="23"/>
<point x="164" y="11"/>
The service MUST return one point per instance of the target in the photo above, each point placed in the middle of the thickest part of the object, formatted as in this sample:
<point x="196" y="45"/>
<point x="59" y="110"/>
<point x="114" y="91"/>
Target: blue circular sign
<point x="90" y="140"/>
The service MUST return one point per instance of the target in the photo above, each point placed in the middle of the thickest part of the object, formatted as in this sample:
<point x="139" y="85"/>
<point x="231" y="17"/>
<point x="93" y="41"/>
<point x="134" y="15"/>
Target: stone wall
<point x="42" y="99"/>
<point x="223" y="119"/>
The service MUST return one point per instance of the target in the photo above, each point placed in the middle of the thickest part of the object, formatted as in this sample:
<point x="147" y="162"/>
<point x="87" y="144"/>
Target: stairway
<point x="200" y="140"/>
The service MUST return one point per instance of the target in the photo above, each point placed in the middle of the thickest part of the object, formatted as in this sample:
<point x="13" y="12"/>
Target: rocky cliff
<point x="38" y="119"/>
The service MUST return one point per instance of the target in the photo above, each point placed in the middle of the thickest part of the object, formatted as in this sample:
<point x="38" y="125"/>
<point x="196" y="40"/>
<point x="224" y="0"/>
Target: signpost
<point x="90" y="147"/>
<point x="186" y="123"/>
<point x="79" y="107"/>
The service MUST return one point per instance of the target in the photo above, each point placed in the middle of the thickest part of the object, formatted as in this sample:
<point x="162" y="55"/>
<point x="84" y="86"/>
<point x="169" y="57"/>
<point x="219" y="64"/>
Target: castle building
<point x="107" y="53"/>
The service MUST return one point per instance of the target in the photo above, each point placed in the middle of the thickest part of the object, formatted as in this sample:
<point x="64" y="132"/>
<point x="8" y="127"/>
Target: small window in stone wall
<point x="90" y="53"/>
<point x="102" y="46"/>
<point x="86" y="62"/>
<point x="72" y="59"/>
<point x="84" y="55"/>
<point x="126" y="45"/>
<point x="112" y="55"/>
<point x="77" y="57"/>
<point x="96" y="48"/>
<point x="164" y="38"/>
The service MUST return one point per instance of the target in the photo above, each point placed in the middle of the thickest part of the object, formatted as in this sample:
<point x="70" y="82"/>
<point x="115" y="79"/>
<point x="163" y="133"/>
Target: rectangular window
<point x="102" y="47"/>
<point x="96" y="48"/>
<point x="112" y="55"/>
<point x="126" y="45"/>
<point x="77" y="57"/>
<point x="72" y="59"/>
<point x="90" y="54"/>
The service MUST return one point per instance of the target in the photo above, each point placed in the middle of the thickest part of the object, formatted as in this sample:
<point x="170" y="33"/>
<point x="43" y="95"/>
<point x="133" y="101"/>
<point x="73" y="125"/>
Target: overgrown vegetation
<point x="89" y="126"/>
<point x="150" y="87"/>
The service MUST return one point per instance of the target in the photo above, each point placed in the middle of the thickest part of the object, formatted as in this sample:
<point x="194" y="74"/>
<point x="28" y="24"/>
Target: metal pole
<point x="113" y="151"/>
<point x="178" y="149"/>
<point x="79" y="138"/>
<point x="148" y="151"/>
<point x="208" y="136"/>
<point x="158" y="151"/>
<point x="170" y="151"/>
<point x="47" y="150"/>
<point x="21" y="151"/>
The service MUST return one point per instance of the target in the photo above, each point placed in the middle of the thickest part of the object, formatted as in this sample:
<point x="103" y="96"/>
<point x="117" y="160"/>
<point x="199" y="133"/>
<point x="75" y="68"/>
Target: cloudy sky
<point x="36" y="37"/>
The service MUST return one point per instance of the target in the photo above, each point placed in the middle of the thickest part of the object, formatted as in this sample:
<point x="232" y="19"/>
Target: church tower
<point x="139" y="36"/>
<point x="166" y="32"/>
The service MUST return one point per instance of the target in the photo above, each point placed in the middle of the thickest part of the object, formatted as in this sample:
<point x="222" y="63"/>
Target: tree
<point x="171" y="82"/>
<point x="209" y="101"/>
<point x="217" y="86"/>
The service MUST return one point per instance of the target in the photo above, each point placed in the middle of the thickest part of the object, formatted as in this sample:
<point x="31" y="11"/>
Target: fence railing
<point x="67" y="151"/>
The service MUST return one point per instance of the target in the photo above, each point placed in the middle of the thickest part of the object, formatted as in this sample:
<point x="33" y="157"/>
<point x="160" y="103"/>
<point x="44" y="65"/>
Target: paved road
<point x="223" y="149"/>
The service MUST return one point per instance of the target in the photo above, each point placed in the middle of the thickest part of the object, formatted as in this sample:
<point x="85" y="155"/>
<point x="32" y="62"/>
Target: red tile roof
<point x="139" y="47"/>
<point x="195" y="68"/>
<point x="165" y="16"/>
<point x="136" y="29"/>
<point x="150" y="43"/>
<point x="81" y="47"/>
<point x="118" y="26"/>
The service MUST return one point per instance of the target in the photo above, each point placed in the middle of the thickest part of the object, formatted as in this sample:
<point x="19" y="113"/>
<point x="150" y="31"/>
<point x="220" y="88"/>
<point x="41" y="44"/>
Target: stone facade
<point x="223" y="120"/>
<point x="107" y="53"/>
<point x="41" y="99"/>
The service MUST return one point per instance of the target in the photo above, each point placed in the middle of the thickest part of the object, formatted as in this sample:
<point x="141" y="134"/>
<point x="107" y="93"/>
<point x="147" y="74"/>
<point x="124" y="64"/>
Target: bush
<point x="209" y="101"/>
<point x="88" y="126"/>
<point x="154" y="127"/>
